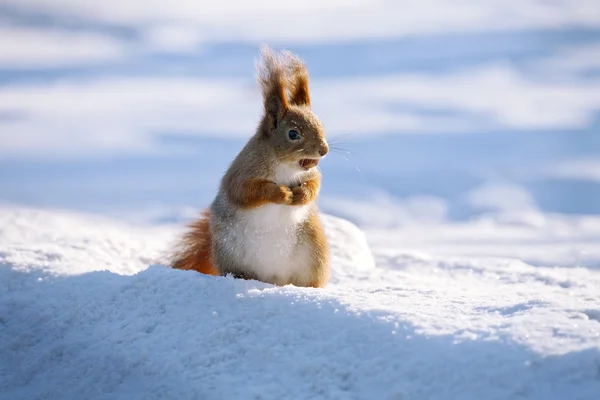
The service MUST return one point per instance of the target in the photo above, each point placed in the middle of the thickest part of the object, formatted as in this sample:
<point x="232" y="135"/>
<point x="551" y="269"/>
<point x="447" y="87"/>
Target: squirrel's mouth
<point x="308" y="163"/>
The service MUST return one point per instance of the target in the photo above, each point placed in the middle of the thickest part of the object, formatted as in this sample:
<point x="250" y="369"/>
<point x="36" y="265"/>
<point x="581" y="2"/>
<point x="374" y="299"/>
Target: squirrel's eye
<point x="293" y="135"/>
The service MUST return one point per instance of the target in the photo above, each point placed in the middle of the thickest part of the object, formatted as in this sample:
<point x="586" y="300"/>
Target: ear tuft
<point x="297" y="78"/>
<point x="271" y="77"/>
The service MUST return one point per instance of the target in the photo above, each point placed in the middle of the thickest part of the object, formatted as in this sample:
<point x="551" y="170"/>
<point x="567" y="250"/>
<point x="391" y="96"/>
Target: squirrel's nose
<point x="324" y="149"/>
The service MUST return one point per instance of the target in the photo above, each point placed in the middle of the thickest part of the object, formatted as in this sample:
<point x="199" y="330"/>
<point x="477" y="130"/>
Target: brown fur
<point x="250" y="180"/>
<point x="272" y="81"/>
<point x="297" y="80"/>
<point x="196" y="252"/>
<point x="320" y="256"/>
<point x="257" y="192"/>
<point x="307" y="192"/>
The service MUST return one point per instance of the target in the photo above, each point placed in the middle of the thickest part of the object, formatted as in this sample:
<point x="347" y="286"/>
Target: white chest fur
<point x="288" y="174"/>
<point x="269" y="242"/>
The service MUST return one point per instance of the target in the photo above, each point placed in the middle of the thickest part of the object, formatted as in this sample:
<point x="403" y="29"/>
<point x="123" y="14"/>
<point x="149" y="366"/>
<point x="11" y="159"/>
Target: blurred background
<point x="444" y="111"/>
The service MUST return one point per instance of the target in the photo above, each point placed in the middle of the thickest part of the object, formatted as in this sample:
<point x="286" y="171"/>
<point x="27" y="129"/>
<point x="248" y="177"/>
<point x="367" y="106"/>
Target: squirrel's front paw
<point x="300" y="196"/>
<point x="282" y="195"/>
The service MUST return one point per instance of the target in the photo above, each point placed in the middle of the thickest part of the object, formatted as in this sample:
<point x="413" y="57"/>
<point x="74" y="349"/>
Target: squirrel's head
<point x="289" y="125"/>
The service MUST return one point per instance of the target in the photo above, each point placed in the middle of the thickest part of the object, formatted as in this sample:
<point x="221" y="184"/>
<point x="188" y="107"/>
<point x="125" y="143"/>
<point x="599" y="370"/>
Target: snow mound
<point x="84" y="315"/>
<point x="350" y="251"/>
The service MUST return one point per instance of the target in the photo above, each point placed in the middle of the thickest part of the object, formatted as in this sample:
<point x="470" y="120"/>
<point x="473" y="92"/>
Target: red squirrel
<point x="264" y="223"/>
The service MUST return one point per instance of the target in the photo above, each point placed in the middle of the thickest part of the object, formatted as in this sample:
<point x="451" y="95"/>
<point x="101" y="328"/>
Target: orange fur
<point x="297" y="80"/>
<point x="196" y="254"/>
<point x="307" y="192"/>
<point x="273" y="83"/>
<point x="320" y="255"/>
<point x="257" y="192"/>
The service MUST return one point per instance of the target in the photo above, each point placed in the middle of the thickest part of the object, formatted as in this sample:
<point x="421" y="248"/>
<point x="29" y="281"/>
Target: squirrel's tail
<point x="196" y="252"/>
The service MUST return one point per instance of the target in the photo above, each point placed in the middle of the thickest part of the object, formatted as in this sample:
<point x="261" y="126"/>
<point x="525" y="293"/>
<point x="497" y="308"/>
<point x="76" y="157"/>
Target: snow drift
<point x="85" y="312"/>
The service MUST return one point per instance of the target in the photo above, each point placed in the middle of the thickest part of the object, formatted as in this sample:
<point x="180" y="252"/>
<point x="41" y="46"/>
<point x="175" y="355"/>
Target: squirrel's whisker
<point x="339" y="149"/>
<point x="338" y="137"/>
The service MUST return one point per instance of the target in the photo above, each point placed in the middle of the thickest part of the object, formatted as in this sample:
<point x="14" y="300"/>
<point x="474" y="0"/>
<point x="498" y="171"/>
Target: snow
<point x="88" y="311"/>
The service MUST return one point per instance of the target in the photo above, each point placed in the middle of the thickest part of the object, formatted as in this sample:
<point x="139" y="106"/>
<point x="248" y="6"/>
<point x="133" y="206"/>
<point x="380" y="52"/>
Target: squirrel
<point x="263" y="223"/>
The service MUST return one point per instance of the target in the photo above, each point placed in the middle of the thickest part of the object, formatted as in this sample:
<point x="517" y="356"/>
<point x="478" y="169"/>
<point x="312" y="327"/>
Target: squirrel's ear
<point x="297" y="79"/>
<point x="271" y="76"/>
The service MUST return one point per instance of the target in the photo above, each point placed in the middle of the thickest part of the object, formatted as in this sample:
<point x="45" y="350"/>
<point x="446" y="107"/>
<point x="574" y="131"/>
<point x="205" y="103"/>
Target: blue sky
<point x="485" y="106"/>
